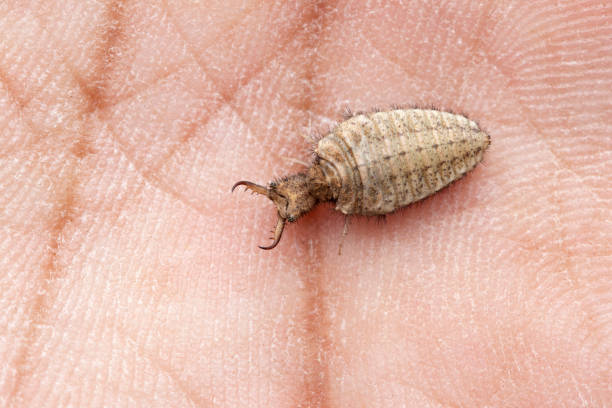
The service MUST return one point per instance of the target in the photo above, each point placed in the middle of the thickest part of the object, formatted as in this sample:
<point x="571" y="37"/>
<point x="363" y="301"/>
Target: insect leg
<point x="344" y="232"/>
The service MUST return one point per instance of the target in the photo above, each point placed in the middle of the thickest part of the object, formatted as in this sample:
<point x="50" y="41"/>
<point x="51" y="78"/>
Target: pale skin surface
<point x="129" y="275"/>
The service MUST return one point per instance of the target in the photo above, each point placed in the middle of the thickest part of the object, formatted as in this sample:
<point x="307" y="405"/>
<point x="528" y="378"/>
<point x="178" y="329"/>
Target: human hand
<point x="131" y="276"/>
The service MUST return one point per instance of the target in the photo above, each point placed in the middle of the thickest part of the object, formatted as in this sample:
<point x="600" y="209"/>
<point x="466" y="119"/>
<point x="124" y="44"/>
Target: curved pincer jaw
<point x="280" y="225"/>
<point x="256" y="188"/>
<point x="278" y="232"/>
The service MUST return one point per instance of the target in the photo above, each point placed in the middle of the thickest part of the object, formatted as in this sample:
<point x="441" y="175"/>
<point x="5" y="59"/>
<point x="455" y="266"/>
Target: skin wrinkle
<point x="93" y="94"/>
<point x="20" y="104"/>
<point x="556" y="160"/>
<point x="51" y="272"/>
<point x="112" y="37"/>
<point x="80" y="150"/>
<point x="316" y="383"/>
<point x="316" y="322"/>
<point x="155" y="181"/>
<point x="395" y="61"/>
<point x="482" y="24"/>
<point x="231" y="26"/>
<point x="80" y="147"/>
<point x="229" y="98"/>
<point x="103" y="108"/>
<point x="108" y="53"/>
<point x="317" y="326"/>
<point x="314" y="388"/>
<point x="12" y="94"/>
<point x="312" y="42"/>
<point x="165" y="368"/>
<point x="150" y="173"/>
<point x="190" y="133"/>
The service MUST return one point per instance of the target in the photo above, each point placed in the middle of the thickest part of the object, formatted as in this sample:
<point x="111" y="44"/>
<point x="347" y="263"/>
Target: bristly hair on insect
<point x="376" y="163"/>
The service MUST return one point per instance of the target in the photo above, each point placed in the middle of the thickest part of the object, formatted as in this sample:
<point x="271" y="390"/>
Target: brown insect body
<point x="376" y="163"/>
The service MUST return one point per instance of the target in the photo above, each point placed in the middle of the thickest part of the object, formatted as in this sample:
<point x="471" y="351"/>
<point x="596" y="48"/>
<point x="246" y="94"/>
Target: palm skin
<point x="131" y="276"/>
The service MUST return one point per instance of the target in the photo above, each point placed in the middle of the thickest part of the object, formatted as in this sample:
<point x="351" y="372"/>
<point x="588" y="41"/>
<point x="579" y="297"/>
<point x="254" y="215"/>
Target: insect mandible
<point x="376" y="163"/>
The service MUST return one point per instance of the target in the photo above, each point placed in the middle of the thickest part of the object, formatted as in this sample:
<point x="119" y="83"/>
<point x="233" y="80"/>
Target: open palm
<point x="130" y="275"/>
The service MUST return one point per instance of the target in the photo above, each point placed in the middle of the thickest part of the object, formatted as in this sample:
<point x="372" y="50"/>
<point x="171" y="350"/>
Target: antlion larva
<point x="376" y="163"/>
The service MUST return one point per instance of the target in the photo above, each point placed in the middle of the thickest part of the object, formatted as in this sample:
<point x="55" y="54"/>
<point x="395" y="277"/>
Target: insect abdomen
<point x="387" y="160"/>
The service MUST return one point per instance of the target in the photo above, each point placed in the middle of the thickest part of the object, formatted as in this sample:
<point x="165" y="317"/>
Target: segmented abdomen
<point x="387" y="160"/>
